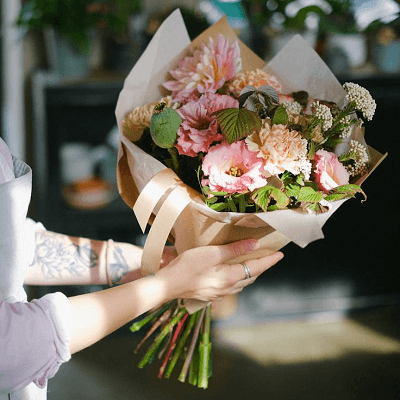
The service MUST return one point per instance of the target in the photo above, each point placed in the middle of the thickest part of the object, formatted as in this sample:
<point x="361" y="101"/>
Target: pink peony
<point x="329" y="171"/>
<point x="199" y="129"/>
<point x="232" y="168"/>
<point x="206" y="71"/>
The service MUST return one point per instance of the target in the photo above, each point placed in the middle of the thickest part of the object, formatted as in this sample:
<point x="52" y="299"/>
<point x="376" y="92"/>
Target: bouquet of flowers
<point x="222" y="147"/>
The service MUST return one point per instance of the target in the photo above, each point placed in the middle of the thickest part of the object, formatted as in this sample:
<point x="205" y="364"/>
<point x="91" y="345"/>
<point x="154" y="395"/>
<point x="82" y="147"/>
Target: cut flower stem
<point x="159" y="340"/>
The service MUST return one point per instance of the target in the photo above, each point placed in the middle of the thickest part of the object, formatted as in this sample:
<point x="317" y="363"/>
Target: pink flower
<point x="329" y="171"/>
<point x="199" y="129"/>
<point x="232" y="168"/>
<point x="206" y="71"/>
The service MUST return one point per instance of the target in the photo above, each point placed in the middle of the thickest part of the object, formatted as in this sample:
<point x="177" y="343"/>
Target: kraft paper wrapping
<point x="157" y="195"/>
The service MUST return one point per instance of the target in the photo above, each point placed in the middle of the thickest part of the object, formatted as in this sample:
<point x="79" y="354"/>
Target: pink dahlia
<point x="206" y="71"/>
<point x="199" y="129"/>
<point x="232" y="168"/>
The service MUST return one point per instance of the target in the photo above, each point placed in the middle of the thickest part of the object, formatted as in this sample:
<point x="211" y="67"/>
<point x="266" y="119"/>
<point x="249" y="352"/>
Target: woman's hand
<point x="204" y="274"/>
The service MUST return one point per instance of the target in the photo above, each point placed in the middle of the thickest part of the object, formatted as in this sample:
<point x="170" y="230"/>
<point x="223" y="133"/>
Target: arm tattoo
<point x="55" y="254"/>
<point x="117" y="264"/>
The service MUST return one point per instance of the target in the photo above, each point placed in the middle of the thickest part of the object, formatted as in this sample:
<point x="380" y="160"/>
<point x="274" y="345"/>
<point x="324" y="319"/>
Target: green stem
<point x="174" y="155"/>
<point x="136" y="326"/>
<point x="194" y="368"/>
<point x="205" y="351"/>
<point x="154" y="347"/>
<point x="181" y="345"/>
<point x="172" y="345"/>
<point x="185" y="369"/>
<point x="164" y="317"/>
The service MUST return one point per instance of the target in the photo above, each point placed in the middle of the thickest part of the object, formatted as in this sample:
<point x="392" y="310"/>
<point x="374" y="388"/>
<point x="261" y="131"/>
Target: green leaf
<point x="347" y="191"/>
<point x="237" y="123"/>
<point x="205" y="189"/>
<point x="309" y="195"/>
<point x="292" y="190"/>
<point x="312" y="184"/>
<point x="212" y="200"/>
<point x="300" y="179"/>
<point x="280" y="116"/>
<point x="242" y="204"/>
<point x="219" y="193"/>
<point x="335" y="196"/>
<point x="231" y="205"/>
<point x="317" y="207"/>
<point x="218" y="206"/>
<point x="312" y="149"/>
<point x="263" y="196"/>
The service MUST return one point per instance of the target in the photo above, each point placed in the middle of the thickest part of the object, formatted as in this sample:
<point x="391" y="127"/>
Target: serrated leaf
<point x="312" y="184"/>
<point x="269" y="92"/>
<point x="316" y="207"/>
<point x="292" y="190"/>
<point x="245" y="93"/>
<point x="349" y="190"/>
<point x="250" y="96"/>
<point x="263" y="196"/>
<point x="300" y="179"/>
<point x="335" y="196"/>
<point x="280" y="116"/>
<point x="309" y="195"/>
<point x="237" y="123"/>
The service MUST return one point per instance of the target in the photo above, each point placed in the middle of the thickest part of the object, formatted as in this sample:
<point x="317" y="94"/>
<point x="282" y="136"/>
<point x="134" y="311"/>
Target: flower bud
<point x="164" y="126"/>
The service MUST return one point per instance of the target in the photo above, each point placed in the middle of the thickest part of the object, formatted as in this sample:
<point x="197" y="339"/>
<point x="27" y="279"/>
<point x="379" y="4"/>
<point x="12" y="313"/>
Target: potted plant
<point x="342" y="38"/>
<point x="281" y="20"/>
<point x="71" y="26"/>
<point x="385" y="45"/>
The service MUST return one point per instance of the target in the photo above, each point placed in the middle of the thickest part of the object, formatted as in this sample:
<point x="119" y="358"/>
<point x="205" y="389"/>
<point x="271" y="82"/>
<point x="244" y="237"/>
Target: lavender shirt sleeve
<point x="34" y="340"/>
<point x="6" y="163"/>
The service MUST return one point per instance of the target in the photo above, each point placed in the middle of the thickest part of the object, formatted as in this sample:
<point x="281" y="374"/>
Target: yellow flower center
<point x="235" y="171"/>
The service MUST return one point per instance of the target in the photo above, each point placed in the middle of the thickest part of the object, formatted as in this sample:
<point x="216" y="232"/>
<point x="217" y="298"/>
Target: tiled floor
<point x="325" y="357"/>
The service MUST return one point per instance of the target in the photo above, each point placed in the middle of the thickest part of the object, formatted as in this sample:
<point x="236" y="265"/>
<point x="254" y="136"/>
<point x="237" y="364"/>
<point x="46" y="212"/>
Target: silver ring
<point x="246" y="270"/>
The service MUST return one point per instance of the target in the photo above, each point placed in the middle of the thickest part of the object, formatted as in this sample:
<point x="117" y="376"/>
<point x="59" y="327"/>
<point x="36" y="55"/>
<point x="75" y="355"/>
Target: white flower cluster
<point x="323" y="113"/>
<point x="347" y="130"/>
<point x="292" y="108"/>
<point x="361" y="159"/>
<point x="362" y="99"/>
<point x="305" y="166"/>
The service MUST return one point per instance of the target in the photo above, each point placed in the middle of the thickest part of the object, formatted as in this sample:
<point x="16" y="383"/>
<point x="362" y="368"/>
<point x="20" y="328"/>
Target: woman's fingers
<point x="237" y="272"/>
<point x="222" y="253"/>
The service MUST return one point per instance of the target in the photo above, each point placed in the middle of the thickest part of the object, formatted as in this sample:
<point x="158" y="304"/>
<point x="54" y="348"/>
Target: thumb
<point x="230" y="251"/>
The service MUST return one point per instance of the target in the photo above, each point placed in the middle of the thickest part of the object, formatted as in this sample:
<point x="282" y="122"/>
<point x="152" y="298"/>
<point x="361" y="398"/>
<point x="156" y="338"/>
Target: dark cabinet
<point x="74" y="112"/>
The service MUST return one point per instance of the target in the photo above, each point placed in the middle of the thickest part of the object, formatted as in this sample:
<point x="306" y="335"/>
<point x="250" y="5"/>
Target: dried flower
<point x="361" y="98"/>
<point x="255" y="78"/>
<point x="140" y="118"/>
<point x="206" y="71"/>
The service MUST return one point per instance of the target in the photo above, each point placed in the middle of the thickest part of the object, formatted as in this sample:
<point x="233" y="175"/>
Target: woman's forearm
<point x="96" y="315"/>
<point x="66" y="260"/>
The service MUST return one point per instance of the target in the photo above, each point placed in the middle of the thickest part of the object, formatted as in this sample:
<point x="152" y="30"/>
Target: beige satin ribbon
<point x="174" y="202"/>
